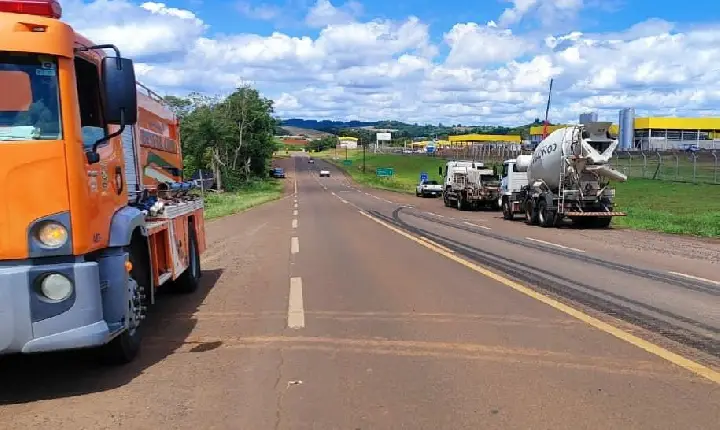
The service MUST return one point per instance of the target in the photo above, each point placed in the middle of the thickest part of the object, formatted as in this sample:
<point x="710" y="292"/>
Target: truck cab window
<point x="88" y="89"/>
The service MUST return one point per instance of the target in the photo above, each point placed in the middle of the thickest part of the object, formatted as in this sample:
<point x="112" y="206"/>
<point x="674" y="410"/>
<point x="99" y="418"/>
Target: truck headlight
<point x="56" y="287"/>
<point x="51" y="234"/>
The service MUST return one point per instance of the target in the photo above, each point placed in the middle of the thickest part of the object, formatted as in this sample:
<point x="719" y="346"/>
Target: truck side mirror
<point x="119" y="90"/>
<point x="440" y="170"/>
<point x="119" y="99"/>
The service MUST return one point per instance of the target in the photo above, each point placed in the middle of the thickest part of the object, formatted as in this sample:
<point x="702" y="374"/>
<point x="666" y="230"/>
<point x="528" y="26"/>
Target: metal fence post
<point x="694" y="160"/>
<point x="677" y="167"/>
<point x="715" y="167"/>
<point x="644" y="168"/>
<point x="658" y="171"/>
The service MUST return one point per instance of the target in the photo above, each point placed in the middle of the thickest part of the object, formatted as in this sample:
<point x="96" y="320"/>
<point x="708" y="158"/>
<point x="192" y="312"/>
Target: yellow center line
<point x="678" y="360"/>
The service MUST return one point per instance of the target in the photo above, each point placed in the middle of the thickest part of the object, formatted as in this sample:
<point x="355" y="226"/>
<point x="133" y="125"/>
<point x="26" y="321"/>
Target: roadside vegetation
<point x="248" y="195"/>
<point x="232" y="141"/>
<point x="667" y="207"/>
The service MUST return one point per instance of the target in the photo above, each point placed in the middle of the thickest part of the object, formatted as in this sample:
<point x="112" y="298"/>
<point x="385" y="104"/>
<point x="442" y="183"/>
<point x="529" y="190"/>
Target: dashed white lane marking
<point x="478" y="226"/>
<point x="376" y="197"/>
<point x="294" y="245"/>
<point x="295" y="206"/>
<point x="387" y="201"/>
<point x="554" y="244"/>
<point x="294" y="223"/>
<point x="295" y="185"/>
<point x="295" y="212"/>
<point x="344" y="201"/>
<point x="367" y="194"/>
<point x="296" y="312"/>
<point x="697" y="278"/>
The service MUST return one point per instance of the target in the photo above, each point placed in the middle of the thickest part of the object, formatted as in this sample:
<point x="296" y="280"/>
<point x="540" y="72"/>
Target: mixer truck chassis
<point x="547" y="210"/>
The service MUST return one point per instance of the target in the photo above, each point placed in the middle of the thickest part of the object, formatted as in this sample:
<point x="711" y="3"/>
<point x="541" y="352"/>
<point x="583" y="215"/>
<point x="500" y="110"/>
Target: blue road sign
<point x="423" y="176"/>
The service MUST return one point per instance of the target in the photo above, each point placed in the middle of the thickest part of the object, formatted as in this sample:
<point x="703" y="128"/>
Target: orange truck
<point x="96" y="216"/>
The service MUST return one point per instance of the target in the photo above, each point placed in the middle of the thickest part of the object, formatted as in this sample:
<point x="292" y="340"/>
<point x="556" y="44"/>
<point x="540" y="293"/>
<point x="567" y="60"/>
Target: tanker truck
<point x="567" y="176"/>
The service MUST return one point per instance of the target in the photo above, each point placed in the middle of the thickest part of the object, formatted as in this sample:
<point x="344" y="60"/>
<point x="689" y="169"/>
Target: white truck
<point x="469" y="185"/>
<point x="567" y="176"/>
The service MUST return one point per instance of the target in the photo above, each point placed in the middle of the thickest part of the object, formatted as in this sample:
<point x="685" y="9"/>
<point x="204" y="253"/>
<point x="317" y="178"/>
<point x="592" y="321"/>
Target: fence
<point x="701" y="167"/>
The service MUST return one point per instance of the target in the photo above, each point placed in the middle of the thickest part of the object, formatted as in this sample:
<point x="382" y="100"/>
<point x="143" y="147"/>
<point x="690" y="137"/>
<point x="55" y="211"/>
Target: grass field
<point x="669" y="207"/>
<point x="253" y="194"/>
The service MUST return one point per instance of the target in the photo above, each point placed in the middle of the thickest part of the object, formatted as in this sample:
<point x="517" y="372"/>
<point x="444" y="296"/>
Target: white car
<point x="324" y="173"/>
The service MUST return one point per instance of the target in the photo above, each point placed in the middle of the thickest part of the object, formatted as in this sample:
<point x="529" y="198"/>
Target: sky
<point x="471" y="62"/>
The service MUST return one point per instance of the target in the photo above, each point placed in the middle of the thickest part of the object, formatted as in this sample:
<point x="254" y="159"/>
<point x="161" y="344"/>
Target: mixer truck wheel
<point x="507" y="211"/>
<point x="601" y="222"/>
<point x="546" y="218"/>
<point x="459" y="203"/>
<point x="531" y="217"/>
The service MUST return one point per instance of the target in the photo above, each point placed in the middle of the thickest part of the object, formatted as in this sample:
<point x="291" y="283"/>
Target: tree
<point x="233" y="136"/>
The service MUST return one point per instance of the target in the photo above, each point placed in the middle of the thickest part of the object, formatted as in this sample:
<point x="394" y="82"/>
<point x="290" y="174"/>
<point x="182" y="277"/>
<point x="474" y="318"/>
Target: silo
<point x="586" y="118"/>
<point x="627" y="129"/>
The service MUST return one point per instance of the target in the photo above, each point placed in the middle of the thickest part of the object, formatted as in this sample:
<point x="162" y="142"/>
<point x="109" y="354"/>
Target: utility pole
<point x="363" y="145"/>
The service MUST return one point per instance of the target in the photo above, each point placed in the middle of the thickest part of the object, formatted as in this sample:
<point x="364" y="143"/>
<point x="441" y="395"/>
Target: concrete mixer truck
<point x="567" y="176"/>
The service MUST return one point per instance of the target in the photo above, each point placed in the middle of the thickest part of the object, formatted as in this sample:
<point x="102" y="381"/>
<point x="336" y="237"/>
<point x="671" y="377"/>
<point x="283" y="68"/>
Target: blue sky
<point x="425" y="61"/>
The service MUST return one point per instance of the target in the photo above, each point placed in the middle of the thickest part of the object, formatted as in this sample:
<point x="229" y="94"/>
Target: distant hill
<point x="400" y="130"/>
<point x="301" y="131"/>
<point x="325" y="124"/>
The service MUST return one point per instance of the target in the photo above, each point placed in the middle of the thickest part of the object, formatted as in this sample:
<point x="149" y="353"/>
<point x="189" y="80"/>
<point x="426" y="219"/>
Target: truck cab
<point x="84" y="239"/>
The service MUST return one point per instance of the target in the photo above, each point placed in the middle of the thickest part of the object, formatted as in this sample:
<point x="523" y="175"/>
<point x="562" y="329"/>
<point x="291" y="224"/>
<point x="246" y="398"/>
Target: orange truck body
<point x="51" y="178"/>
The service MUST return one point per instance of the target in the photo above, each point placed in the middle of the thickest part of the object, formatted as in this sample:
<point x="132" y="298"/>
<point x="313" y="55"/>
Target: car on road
<point x="428" y="188"/>
<point x="277" y="172"/>
<point x="311" y="161"/>
<point x="324" y="173"/>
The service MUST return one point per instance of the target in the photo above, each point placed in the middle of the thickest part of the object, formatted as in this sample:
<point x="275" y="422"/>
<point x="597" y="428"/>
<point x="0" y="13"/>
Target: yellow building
<point x="465" y="139"/>
<point x="657" y="133"/>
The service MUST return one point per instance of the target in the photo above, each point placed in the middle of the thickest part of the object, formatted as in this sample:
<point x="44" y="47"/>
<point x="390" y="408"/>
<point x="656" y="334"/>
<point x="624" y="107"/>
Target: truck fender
<point x="123" y="223"/>
<point x="549" y="200"/>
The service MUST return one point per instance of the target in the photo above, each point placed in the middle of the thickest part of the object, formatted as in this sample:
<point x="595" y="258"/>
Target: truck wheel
<point x="125" y="347"/>
<point x="459" y="203"/>
<point x="602" y="222"/>
<point x="507" y="211"/>
<point x="189" y="280"/>
<point x="531" y="217"/>
<point x="446" y="200"/>
<point x="546" y="218"/>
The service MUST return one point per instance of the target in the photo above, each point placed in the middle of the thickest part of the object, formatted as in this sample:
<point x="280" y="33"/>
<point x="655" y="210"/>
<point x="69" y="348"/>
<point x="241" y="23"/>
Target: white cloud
<point x="323" y="13"/>
<point x="548" y="12"/>
<point x="391" y="69"/>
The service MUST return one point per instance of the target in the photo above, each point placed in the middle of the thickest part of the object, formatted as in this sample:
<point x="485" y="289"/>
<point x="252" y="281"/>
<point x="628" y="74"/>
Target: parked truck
<point x="474" y="188"/>
<point x="96" y="215"/>
<point x="451" y="187"/>
<point x="567" y="176"/>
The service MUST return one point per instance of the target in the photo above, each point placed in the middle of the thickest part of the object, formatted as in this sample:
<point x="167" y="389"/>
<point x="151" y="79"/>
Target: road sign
<point x="384" y="172"/>
<point x="430" y="149"/>
<point x="347" y="162"/>
<point x="423" y="176"/>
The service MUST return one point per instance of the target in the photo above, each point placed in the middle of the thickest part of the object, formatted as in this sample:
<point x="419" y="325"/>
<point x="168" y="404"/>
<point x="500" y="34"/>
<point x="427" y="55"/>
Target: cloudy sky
<point x="451" y="61"/>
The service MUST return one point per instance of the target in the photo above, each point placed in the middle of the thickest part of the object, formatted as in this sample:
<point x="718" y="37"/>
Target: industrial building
<point x="655" y="133"/>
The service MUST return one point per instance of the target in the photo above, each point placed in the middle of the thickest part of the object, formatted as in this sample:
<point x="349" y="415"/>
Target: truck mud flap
<point x="595" y="214"/>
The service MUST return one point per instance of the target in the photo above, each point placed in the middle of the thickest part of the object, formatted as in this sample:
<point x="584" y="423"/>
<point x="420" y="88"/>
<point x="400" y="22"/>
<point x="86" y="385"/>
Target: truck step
<point x="595" y="214"/>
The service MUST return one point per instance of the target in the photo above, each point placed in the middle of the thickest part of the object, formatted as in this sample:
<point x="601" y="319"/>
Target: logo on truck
<point x="543" y="151"/>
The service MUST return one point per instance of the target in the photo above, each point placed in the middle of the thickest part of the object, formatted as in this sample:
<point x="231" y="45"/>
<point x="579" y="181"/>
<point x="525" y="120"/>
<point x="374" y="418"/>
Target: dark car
<point x="277" y="172"/>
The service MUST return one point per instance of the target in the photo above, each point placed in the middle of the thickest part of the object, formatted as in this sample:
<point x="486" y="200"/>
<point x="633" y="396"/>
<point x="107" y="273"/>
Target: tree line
<point x="231" y="137"/>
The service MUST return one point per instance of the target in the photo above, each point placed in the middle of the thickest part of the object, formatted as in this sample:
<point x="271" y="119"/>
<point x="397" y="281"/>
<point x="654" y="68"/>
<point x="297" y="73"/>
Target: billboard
<point x="384" y="136"/>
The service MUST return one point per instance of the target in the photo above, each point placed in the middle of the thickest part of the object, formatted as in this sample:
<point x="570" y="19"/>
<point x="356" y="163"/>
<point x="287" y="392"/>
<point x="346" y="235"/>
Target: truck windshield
<point x="29" y="104"/>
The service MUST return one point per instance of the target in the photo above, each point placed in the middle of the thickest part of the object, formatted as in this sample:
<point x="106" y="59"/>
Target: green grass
<point x="253" y="194"/>
<point x="406" y="174"/>
<point x="669" y="207"/>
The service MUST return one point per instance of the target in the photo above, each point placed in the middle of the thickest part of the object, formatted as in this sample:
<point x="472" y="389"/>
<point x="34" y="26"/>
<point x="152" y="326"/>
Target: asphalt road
<point x="344" y="308"/>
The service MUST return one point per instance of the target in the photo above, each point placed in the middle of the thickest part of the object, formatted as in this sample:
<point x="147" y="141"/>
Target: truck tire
<point x="602" y="222"/>
<point x="531" y="217"/>
<point x="125" y="347"/>
<point x="459" y="203"/>
<point x="445" y="199"/>
<point x="546" y="217"/>
<point x="189" y="280"/>
<point x="507" y="210"/>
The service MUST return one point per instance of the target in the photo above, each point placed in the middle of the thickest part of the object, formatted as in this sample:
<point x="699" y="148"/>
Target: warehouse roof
<point x="484" y="138"/>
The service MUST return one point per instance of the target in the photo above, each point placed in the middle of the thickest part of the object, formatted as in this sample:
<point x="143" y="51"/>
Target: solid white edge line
<point x="294" y="245"/>
<point x="296" y="312"/>
<point x="697" y="278"/>
<point x="554" y="244"/>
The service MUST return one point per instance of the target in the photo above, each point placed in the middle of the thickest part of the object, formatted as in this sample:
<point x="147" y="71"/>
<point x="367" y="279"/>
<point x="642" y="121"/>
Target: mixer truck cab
<point x="567" y="177"/>
<point x="96" y="216"/>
